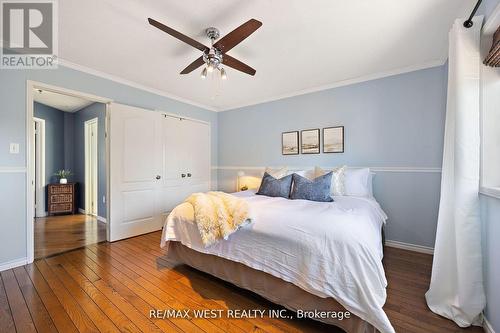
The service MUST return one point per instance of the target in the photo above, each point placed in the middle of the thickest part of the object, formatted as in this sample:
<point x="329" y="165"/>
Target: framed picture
<point x="290" y="143"/>
<point x="310" y="141"/>
<point x="333" y="139"/>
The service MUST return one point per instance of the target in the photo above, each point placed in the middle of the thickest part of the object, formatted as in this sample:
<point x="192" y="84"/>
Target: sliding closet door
<point x="197" y="165"/>
<point x="174" y="153"/>
<point x="135" y="171"/>
<point x="186" y="156"/>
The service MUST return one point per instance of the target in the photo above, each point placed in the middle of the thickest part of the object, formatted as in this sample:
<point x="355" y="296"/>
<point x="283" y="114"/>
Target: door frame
<point x="30" y="162"/>
<point x="40" y="179"/>
<point x="91" y="167"/>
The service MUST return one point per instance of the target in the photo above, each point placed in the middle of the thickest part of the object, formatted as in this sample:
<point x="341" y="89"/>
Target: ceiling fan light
<point x="223" y="74"/>
<point x="210" y="68"/>
<point x="204" y="73"/>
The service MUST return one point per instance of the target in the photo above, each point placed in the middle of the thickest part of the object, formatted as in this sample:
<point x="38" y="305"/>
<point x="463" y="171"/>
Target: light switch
<point x="14" y="148"/>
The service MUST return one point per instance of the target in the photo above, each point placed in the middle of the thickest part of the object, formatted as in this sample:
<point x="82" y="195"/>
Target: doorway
<point x="68" y="166"/>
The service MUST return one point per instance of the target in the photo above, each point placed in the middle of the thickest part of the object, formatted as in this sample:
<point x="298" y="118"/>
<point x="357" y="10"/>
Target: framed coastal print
<point x="333" y="139"/>
<point x="310" y="141"/>
<point x="290" y="143"/>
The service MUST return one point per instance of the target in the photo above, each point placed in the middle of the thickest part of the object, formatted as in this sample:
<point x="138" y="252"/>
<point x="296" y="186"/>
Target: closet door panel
<point x="198" y="167"/>
<point x="135" y="163"/>
<point x="174" y="154"/>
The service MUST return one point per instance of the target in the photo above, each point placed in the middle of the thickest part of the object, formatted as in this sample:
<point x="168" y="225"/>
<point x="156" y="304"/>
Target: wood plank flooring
<point x="111" y="287"/>
<point x="57" y="234"/>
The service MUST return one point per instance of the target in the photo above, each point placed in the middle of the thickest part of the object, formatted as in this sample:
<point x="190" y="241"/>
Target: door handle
<point x="183" y="175"/>
<point x="158" y="177"/>
<point x="189" y="175"/>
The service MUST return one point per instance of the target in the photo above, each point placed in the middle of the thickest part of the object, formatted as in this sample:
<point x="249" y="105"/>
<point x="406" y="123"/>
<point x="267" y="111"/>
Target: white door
<point x="197" y="163"/>
<point x="186" y="160"/>
<point x="135" y="171"/>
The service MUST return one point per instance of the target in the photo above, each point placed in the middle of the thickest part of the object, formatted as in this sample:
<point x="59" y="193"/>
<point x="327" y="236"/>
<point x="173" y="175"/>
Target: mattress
<point x="327" y="249"/>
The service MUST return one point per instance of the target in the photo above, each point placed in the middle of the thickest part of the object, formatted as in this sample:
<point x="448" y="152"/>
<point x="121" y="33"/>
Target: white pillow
<point x="356" y="182"/>
<point x="338" y="179"/>
<point x="277" y="173"/>
<point x="309" y="174"/>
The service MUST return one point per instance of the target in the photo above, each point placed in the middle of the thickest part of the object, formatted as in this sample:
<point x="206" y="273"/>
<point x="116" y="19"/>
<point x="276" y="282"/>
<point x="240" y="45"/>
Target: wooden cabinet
<point x="61" y="198"/>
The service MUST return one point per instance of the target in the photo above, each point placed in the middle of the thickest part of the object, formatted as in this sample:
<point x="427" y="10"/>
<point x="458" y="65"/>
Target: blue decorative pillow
<point x="317" y="189"/>
<point x="273" y="187"/>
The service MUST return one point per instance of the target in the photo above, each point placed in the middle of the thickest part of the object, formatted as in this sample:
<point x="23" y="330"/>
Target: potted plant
<point x="63" y="176"/>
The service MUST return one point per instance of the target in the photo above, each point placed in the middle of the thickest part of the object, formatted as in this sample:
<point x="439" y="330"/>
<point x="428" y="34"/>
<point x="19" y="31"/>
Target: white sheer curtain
<point x="456" y="289"/>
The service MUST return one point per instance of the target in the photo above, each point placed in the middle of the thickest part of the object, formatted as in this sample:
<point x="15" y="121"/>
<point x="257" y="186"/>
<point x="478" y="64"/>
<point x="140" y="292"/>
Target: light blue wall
<point x="490" y="217"/>
<point x="396" y="121"/>
<point x="54" y="139"/>
<point x="96" y="110"/>
<point x="13" y="129"/>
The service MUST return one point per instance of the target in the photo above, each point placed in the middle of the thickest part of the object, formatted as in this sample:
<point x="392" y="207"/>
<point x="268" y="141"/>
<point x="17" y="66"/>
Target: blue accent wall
<point x="96" y="110"/>
<point x="13" y="130"/>
<point x="54" y="139"/>
<point x="396" y="121"/>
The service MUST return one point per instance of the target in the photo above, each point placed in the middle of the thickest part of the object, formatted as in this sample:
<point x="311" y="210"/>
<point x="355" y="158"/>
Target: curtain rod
<point x="468" y="23"/>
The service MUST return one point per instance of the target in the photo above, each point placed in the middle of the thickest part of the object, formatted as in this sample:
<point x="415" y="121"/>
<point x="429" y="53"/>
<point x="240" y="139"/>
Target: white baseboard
<point x="487" y="326"/>
<point x="409" y="247"/>
<point x="13" y="264"/>
<point x="99" y="218"/>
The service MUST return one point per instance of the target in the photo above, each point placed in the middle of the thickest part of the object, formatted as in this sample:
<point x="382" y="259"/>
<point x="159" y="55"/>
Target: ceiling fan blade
<point x="192" y="66"/>
<point x="236" y="36"/>
<point x="236" y="64"/>
<point x="178" y="35"/>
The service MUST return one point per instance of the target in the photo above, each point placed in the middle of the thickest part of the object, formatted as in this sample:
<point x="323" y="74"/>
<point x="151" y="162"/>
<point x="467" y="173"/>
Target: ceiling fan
<point x="215" y="56"/>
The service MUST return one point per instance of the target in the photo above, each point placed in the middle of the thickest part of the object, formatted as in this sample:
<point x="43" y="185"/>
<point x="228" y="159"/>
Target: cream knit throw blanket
<point x="218" y="215"/>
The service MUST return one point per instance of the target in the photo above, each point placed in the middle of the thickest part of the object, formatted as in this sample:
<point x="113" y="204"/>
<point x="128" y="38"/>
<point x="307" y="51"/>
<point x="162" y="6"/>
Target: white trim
<point x="487" y="325"/>
<point x="13" y="264"/>
<point x="493" y="192"/>
<point x="132" y="84"/>
<point x="40" y="174"/>
<point x="91" y="165"/>
<point x="69" y="92"/>
<point x="409" y="247"/>
<point x="375" y="169"/>
<point x="82" y="211"/>
<point x="359" y="79"/>
<point x="12" y="169"/>
<point x="101" y="219"/>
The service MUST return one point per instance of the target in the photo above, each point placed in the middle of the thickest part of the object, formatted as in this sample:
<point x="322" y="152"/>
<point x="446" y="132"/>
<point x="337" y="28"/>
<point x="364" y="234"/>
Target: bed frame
<point x="268" y="286"/>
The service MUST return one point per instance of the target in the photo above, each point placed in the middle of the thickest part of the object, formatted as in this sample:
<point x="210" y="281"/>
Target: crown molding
<point x="132" y="84"/>
<point x="342" y="83"/>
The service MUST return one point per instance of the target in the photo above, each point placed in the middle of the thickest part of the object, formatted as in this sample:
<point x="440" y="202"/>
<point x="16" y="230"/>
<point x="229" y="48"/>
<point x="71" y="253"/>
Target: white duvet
<point x="328" y="249"/>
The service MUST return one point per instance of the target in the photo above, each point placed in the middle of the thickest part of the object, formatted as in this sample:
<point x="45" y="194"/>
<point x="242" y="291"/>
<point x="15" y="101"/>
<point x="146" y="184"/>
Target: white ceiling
<point x="302" y="45"/>
<point x="59" y="101"/>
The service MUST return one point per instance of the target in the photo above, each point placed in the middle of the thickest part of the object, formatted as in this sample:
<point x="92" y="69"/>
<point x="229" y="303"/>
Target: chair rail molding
<point x="8" y="169"/>
<point x="375" y="169"/>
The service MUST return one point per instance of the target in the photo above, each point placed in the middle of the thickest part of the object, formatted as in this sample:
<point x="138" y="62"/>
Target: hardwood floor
<point x="113" y="286"/>
<point x="57" y="234"/>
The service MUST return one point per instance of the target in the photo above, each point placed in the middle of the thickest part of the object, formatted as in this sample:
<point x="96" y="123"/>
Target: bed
<point x="300" y="254"/>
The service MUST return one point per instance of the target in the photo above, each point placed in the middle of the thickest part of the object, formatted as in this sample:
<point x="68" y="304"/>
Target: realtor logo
<point x="29" y="34"/>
